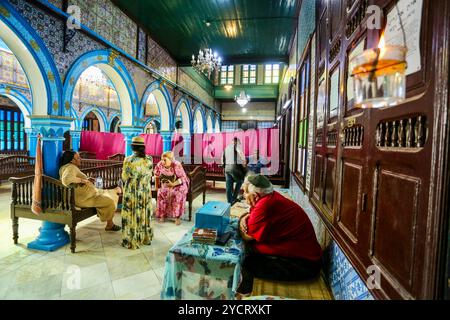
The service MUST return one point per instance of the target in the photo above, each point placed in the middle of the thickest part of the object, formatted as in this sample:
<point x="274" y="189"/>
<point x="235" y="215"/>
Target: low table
<point x="200" y="271"/>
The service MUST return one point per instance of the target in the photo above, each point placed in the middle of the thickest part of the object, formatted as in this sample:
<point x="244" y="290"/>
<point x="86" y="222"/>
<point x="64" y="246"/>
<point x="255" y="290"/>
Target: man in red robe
<point x="281" y="242"/>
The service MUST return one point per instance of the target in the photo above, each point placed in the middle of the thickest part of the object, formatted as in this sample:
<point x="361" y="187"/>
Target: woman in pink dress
<point x="172" y="185"/>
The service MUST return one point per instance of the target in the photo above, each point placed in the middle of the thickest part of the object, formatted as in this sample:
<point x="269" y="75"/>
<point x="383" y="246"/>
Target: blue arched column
<point x="76" y="139"/>
<point x="31" y="141"/>
<point x="129" y="133"/>
<point x="187" y="147"/>
<point x="167" y="140"/>
<point x="52" y="236"/>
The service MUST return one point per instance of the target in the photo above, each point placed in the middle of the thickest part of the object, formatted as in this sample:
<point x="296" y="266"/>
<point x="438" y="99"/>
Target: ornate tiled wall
<point x="109" y="22"/>
<point x="160" y="60"/>
<point x="345" y="283"/>
<point x="50" y="29"/>
<point x="4" y="101"/>
<point x="10" y="70"/>
<point x="142" y="44"/>
<point x="189" y="84"/>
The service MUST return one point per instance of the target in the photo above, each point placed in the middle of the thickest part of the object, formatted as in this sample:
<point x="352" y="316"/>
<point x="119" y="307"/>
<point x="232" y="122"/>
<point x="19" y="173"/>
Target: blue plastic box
<point x="213" y="215"/>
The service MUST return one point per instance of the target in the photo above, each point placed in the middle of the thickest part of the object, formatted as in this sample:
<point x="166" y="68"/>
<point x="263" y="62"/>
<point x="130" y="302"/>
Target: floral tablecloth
<point x="200" y="271"/>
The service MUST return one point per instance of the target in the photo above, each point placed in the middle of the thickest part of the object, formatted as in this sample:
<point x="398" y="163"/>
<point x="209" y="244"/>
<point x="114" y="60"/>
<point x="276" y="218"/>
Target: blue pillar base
<point x="52" y="236"/>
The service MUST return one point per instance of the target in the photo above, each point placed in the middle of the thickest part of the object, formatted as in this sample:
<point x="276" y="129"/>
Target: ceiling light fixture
<point x="207" y="61"/>
<point x="243" y="99"/>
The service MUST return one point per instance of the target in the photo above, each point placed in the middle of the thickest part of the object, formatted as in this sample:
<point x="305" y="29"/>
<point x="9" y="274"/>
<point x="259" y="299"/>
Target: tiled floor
<point x="107" y="270"/>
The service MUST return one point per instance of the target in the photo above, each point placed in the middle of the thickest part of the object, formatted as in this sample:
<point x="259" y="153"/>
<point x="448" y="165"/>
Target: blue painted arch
<point x="100" y="115"/>
<point x="20" y="100"/>
<point x="185" y="116"/>
<point x="163" y="100"/>
<point x="112" y="117"/>
<point x="199" y="115"/>
<point x="110" y="64"/>
<point x="210" y="122"/>
<point x="154" y="119"/>
<point x="35" y="59"/>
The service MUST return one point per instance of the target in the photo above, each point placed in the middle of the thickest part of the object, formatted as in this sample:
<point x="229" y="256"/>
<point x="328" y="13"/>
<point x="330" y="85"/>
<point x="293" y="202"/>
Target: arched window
<point x="91" y="123"/>
<point x="115" y="125"/>
<point x="12" y="133"/>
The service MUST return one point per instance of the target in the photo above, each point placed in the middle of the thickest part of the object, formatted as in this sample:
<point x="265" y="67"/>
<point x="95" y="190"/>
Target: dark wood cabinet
<point x="378" y="175"/>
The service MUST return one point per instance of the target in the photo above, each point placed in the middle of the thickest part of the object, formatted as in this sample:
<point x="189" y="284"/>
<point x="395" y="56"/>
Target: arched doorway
<point x="91" y="123"/>
<point x="94" y="90"/>
<point x="183" y="116"/>
<point x="156" y="104"/>
<point x="117" y="77"/>
<point x="199" y="120"/>
<point x="153" y="126"/>
<point x="115" y="125"/>
<point x="33" y="56"/>
<point x="209" y="124"/>
<point x="13" y="139"/>
<point x="217" y="126"/>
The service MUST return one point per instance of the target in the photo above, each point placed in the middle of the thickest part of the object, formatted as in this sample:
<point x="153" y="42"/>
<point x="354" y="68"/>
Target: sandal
<point x="114" y="228"/>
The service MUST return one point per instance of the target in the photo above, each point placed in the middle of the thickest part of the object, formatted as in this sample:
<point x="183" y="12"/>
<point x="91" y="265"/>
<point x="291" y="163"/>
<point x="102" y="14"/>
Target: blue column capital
<point x="76" y="139"/>
<point x="75" y="133"/>
<point x="167" y="140"/>
<point x="131" y="131"/>
<point x="187" y="136"/>
<point x="51" y="128"/>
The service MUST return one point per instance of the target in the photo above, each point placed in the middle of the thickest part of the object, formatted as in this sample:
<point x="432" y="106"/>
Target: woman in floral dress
<point x="137" y="197"/>
<point x="173" y="186"/>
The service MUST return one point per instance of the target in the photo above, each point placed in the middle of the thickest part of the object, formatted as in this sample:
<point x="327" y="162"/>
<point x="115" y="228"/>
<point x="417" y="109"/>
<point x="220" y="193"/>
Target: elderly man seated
<point x="280" y="239"/>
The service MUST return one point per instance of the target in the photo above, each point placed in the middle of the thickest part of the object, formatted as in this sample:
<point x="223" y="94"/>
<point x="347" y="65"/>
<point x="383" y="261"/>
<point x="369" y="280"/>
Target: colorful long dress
<point x="171" y="201"/>
<point x="137" y="201"/>
<point x="87" y="195"/>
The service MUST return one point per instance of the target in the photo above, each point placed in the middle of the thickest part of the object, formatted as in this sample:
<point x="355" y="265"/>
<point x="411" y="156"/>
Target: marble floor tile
<point x="44" y="288"/>
<point x="139" y="286"/>
<point x="103" y="291"/>
<point x="122" y="268"/>
<point x="38" y="269"/>
<point x="76" y="278"/>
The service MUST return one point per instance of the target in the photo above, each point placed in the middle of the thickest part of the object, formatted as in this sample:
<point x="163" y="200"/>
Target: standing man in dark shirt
<point x="281" y="241"/>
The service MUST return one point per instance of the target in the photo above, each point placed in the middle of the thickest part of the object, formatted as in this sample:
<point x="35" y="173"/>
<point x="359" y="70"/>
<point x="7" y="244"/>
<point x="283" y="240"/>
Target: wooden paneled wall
<point x="377" y="176"/>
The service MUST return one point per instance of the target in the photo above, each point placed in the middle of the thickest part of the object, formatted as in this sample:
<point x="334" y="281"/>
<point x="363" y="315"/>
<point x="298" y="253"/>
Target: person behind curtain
<point x="172" y="185"/>
<point x="235" y="171"/>
<point x="86" y="194"/>
<point x="255" y="163"/>
<point x="137" y="197"/>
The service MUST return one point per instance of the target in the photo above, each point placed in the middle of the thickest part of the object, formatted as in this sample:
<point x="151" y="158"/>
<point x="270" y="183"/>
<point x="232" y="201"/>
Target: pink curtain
<point x="153" y="144"/>
<point x="104" y="144"/>
<point x="178" y="145"/>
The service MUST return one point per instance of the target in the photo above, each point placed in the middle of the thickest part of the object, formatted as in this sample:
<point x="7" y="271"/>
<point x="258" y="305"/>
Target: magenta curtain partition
<point x="112" y="143"/>
<point x="178" y="145"/>
<point x="153" y="144"/>
<point x="103" y="144"/>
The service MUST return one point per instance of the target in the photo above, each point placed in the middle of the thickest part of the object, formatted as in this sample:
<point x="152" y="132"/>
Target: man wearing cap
<point x="281" y="242"/>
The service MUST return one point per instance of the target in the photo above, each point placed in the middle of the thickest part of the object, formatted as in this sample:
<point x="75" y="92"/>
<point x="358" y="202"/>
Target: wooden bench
<point x="58" y="201"/>
<point x="7" y="153"/>
<point x="16" y="166"/>
<point x="117" y="157"/>
<point x="87" y="155"/>
<point x="92" y="163"/>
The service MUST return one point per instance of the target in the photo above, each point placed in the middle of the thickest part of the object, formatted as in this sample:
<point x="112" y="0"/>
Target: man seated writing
<point x="280" y="239"/>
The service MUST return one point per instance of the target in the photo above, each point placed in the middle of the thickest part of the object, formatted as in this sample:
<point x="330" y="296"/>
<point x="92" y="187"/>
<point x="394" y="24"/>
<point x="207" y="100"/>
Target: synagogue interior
<point x="224" y="150"/>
